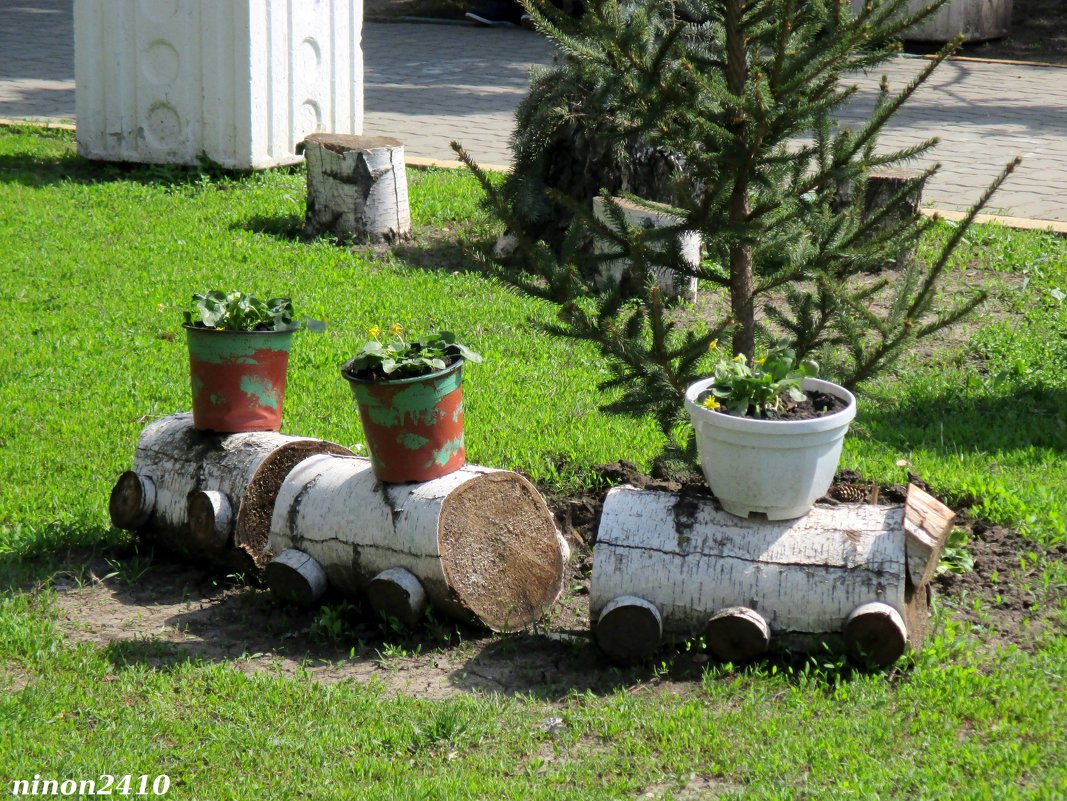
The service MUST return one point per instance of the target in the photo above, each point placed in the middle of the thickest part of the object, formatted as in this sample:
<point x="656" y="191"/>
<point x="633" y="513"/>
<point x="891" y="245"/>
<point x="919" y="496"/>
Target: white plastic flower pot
<point x="777" y="467"/>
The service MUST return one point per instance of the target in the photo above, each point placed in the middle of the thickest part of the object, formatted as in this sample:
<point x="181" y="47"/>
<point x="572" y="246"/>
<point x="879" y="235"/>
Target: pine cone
<point x="850" y="493"/>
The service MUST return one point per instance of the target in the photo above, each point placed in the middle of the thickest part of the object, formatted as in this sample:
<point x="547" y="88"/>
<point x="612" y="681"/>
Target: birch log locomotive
<point x="478" y="543"/>
<point x="853" y="576"/>
<point x="191" y="492"/>
<point x="357" y="187"/>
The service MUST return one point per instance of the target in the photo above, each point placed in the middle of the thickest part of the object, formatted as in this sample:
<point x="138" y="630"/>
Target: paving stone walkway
<point x="427" y="84"/>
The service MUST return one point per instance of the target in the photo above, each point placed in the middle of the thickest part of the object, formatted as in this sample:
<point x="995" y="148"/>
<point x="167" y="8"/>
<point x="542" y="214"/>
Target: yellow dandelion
<point x="374" y="332"/>
<point x="740" y="357"/>
<point x="713" y="345"/>
<point x="761" y="360"/>
<point x="711" y="403"/>
<point x="396" y="330"/>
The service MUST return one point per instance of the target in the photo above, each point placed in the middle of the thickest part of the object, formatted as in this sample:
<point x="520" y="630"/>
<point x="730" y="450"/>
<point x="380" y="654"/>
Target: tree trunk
<point x="190" y="491"/>
<point x="802" y="578"/>
<point x="481" y="543"/>
<point x="357" y="188"/>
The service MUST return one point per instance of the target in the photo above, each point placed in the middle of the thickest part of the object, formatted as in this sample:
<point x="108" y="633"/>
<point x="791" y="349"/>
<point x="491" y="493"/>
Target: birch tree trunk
<point x="190" y="491"/>
<point x="356" y="187"/>
<point x="481" y="543"/>
<point x="785" y="584"/>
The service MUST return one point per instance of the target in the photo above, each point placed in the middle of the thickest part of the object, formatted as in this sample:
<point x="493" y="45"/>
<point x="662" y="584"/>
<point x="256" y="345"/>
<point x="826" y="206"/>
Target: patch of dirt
<point x="175" y="613"/>
<point x="1002" y="596"/>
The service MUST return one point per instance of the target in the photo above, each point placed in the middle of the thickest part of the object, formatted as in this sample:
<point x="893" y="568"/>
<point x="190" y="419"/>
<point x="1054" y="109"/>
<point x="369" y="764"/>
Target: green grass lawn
<point x="98" y="263"/>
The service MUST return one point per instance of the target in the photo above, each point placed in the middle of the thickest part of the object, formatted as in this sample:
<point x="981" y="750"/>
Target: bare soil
<point x="1039" y="27"/>
<point x="176" y="613"/>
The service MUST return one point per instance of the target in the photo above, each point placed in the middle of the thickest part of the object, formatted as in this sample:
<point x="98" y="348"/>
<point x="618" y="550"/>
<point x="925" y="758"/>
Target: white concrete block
<point x="242" y="81"/>
<point x="672" y="285"/>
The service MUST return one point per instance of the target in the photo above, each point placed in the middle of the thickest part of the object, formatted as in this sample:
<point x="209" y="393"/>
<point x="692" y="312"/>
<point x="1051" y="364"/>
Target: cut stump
<point x="356" y="188"/>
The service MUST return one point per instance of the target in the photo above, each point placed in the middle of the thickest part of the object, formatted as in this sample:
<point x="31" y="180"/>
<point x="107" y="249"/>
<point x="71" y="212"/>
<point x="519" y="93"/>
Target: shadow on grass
<point x="38" y="556"/>
<point x="427" y="249"/>
<point x="952" y="423"/>
<point x="287" y="227"/>
<point x="35" y="171"/>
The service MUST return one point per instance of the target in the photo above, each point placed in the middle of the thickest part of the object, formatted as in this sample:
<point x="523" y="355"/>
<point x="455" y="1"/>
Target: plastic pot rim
<point x="732" y="422"/>
<point x="351" y="378"/>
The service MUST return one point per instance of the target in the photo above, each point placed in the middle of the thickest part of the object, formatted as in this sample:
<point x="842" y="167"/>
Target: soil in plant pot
<point x="818" y="404"/>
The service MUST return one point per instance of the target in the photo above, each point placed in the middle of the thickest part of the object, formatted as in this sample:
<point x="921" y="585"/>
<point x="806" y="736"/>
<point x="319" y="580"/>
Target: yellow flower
<point x="374" y="332"/>
<point x="711" y="403"/>
<point x="712" y="345"/>
<point x="761" y="360"/>
<point x="396" y="330"/>
<point x="740" y="357"/>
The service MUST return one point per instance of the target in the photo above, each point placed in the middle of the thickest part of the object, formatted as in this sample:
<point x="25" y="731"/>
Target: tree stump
<point x="481" y="544"/>
<point x="190" y="492"/>
<point x="356" y="187"/>
<point x="854" y="576"/>
<point x="619" y="271"/>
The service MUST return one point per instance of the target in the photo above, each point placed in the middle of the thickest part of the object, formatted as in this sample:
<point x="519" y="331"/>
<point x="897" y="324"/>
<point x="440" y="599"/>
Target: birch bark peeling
<point x="186" y="485"/>
<point x="804" y="577"/>
<point x="482" y="542"/>
<point x="356" y="187"/>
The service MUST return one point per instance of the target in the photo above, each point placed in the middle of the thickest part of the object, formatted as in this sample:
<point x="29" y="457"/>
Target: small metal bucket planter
<point x="413" y="426"/>
<point x="238" y="378"/>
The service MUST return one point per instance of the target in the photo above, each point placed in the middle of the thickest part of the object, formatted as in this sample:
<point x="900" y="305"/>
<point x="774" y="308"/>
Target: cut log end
<point x="500" y="550"/>
<point x="132" y="501"/>
<point x="629" y="629"/>
<point x="210" y="519"/>
<point x="252" y="532"/>
<point x="295" y="577"/>
<point x="737" y="634"/>
<point x="875" y="634"/>
<point x="396" y="593"/>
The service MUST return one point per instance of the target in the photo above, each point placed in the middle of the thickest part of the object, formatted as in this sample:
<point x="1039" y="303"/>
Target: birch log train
<point x="479" y="544"/>
<point x="853" y="576"/>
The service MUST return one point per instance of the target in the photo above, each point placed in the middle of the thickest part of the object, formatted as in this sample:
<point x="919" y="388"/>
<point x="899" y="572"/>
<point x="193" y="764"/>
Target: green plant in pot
<point x="410" y="399"/>
<point x="239" y="358"/>
<point x="769" y="434"/>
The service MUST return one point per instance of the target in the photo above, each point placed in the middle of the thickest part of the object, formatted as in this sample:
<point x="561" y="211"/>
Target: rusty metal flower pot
<point x="413" y="426"/>
<point x="238" y="378"/>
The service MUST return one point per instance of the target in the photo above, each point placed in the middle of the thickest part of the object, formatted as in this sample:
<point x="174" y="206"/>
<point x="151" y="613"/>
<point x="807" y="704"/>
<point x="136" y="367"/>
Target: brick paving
<point x="427" y="84"/>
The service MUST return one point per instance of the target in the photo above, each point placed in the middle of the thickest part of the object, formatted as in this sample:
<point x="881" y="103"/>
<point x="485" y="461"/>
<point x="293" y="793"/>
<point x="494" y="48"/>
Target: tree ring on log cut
<point x="499" y="550"/>
<point x="296" y="577"/>
<point x="343" y="143"/>
<point x="252" y="531"/>
<point x="875" y="634"/>
<point x="737" y="634"/>
<point x="132" y="500"/>
<point x="629" y="629"/>
<point x="397" y="593"/>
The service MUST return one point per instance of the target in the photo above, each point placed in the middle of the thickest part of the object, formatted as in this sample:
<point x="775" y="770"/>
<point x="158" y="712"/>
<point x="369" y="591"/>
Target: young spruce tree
<point x="744" y="93"/>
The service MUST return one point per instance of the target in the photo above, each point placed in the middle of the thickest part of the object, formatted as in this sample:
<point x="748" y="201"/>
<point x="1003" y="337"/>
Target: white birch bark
<point x="356" y="188"/>
<point x="482" y="542"/>
<point x="224" y="479"/>
<point x="804" y="577"/>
